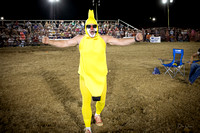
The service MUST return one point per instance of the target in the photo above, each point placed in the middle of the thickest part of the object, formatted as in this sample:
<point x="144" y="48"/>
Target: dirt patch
<point x="39" y="91"/>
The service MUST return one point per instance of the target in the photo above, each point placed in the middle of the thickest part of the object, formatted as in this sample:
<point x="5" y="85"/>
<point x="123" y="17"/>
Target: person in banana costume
<point x="93" y="66"/>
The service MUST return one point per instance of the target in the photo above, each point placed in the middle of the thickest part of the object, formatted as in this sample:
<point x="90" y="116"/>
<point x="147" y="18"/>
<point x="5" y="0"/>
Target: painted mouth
<point x="92" y="32"/>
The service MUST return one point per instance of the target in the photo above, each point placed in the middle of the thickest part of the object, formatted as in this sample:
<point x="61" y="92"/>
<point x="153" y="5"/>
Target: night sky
<point x="135" y="12"/>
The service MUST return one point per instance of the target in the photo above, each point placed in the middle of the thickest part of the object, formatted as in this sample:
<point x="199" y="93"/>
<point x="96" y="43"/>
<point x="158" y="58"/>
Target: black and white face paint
<point x="91" y="30"/>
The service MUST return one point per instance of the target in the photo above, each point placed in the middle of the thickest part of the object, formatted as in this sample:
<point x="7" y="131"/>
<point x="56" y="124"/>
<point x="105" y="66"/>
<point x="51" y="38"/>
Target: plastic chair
<point x="176" y="64"/>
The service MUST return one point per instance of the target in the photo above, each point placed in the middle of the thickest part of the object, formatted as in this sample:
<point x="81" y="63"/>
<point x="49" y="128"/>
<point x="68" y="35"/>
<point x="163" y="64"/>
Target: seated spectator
<point x="104" y="31"/>
<point x="126" y="33"/>
<point x="17" y="41"/>
<point x="122" y="34"/>
<point x="195" y="68"/>
<point x="130" y="33"/>
<point x="40" y="26"/>
<point x="11" y="41"/>
<point x="35" y="27"/>
<point x="117" y="33"/>
<point x="35" y="40"/>
<point x="109" y="32"/>
<point x="29" y="39"/>
<point x="14" y="32"/>
<point x="40" y="38"/>
<point x="46" y="25"/>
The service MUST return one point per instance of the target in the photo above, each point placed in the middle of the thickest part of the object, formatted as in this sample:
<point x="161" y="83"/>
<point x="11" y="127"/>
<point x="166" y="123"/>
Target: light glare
<point x="164" y="1"/>
<point x="54" y="1"/>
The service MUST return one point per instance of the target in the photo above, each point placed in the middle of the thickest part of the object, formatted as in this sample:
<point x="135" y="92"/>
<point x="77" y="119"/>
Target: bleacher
<point x="30" y="32"/>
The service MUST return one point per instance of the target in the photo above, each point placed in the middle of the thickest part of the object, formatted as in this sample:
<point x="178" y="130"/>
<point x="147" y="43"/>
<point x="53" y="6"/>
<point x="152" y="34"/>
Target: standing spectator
<point x="144" y="34"/>
<point x="186" y="37"/>
<point x="196" y="37"/>
<point x="148" y="36"/>
<point x="172" y="32"/>
<point x="172" y="37"/>
<point x="157" y="33"/>
<point x="22" y="39"/>
<point x="11" y="41"/>
<point x="180" y="37"/>
<point x="167" y="35"/>
<point x="82" y="24"/>
<point x="192" y="36"/>
<point x="162" y="34"/>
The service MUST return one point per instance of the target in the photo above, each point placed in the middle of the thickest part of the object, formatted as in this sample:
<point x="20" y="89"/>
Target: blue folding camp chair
<point x="176" y="64"/>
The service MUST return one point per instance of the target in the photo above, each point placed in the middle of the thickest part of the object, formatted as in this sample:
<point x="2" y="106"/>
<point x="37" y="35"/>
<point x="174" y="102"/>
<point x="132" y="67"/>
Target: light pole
<point x="53" y="2"/>
<point x="96" y="3"/>
<point x="167" y="2"/>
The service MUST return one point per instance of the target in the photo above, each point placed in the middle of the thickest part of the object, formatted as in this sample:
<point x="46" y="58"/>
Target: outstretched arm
<point x="62" y="43"/>
<point x="122" y="42"/>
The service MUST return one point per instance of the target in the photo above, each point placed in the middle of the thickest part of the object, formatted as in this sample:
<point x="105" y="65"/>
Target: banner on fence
<point x="155" y="39"/>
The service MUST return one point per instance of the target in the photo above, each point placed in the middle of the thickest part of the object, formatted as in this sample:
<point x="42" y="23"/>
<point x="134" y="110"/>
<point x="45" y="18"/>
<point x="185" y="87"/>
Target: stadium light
<point x="167" y="2"/>
<point x="54" y="1"/>
<point x="164" y="1"/>
<point x="2" y="18"/>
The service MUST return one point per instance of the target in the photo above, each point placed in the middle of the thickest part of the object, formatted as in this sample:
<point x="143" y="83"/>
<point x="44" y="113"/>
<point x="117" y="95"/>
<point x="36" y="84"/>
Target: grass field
<point x="39" y="91"/>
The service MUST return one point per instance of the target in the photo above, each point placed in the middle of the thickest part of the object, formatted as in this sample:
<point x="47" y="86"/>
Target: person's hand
<point x="190" y="63"/>
<point x="139" y="37"/>
<point x="45" y="40"/>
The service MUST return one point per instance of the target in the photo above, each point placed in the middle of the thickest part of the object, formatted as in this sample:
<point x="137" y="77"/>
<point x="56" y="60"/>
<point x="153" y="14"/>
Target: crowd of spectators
<point x="30" y="33"/>
<point x="172" y="34"/>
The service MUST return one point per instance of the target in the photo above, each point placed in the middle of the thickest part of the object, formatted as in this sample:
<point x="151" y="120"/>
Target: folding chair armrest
<point x="163" y="60"/>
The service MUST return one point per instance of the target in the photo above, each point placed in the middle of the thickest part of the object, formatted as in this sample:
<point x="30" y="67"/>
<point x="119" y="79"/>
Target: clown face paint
<point x="91" y="30"/>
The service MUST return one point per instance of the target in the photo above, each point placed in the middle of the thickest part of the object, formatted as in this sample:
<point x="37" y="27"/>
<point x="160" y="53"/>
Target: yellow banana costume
<point x="92" y="70"/>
